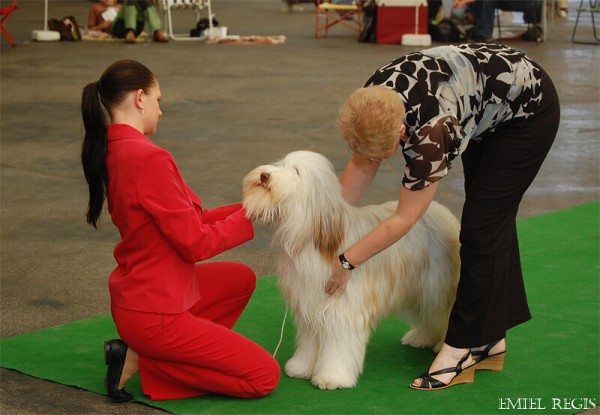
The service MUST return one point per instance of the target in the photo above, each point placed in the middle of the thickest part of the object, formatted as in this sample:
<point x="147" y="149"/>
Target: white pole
<point x="45" y="35"/>
<point x="416" y="39"/>
<point x="417" y="4"/>
<point x="45" y="15"/>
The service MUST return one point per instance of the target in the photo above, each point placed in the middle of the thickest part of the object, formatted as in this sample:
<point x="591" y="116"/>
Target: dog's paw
<point x="296" y="368"/>
<point x="331" y="382"/>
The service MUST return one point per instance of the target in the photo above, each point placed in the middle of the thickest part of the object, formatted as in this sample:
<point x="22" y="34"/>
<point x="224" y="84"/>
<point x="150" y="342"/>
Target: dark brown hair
<point x="116" y="82"/>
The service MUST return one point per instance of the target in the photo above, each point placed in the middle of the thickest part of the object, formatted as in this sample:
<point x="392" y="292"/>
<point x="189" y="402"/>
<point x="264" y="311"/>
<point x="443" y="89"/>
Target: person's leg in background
<point x="123" y="25"/>
<point x="154" y="23"/>
<point x="119" y="26"/>
<point x="131" y="19"/>
<point x="485" y="15"/>
<point x="127" y="24"/>
<point x="532" y="9"/>
<point x="484" y="12"/>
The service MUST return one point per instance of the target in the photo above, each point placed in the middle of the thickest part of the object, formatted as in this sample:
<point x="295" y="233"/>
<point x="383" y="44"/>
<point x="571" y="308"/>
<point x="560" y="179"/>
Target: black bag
<point x="444" y="31"/>
<point x="201" y="26"/>
<point x="67" y="27"/>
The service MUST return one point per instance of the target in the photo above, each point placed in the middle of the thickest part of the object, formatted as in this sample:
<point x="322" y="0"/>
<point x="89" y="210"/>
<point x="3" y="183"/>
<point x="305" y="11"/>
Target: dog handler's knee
<point x="268" y="381"/>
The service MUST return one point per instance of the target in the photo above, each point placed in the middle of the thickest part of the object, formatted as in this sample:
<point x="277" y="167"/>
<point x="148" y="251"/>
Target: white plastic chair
<point x="196" y="6"/>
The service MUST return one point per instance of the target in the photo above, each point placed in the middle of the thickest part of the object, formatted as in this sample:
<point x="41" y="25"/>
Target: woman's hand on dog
<point x="338" y="280"/>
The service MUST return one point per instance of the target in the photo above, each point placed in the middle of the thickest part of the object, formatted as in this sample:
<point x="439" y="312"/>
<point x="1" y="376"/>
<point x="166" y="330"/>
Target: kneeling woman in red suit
<point x="174" y="315"/>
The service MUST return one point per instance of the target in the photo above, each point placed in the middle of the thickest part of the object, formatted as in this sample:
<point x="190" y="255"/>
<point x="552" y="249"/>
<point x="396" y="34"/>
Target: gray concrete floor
<point x="227" y="109"/>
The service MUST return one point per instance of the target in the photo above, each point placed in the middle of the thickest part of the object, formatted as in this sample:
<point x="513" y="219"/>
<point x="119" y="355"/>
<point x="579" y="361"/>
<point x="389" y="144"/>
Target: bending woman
<point x="174" y="316"/>
<point x="499" y="111"/>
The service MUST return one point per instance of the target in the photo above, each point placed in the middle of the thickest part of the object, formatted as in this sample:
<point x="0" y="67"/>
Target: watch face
<point x="345" y="264"/>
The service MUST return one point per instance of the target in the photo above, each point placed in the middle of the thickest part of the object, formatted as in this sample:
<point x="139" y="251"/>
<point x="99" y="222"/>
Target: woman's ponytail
<point x="94" y="150"/>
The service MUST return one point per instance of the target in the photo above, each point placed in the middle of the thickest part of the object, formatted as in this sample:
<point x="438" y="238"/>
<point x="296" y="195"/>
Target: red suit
<point x="175" y="313"/>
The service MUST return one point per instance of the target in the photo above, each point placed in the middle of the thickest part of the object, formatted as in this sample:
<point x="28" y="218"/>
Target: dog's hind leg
<point x="303" y="361"/>
<point x="423" y="337"/>
<point x="429" y="320"/>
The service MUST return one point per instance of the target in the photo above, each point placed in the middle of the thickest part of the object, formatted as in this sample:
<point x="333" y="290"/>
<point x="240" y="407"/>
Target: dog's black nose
<point x="264" y="177"/>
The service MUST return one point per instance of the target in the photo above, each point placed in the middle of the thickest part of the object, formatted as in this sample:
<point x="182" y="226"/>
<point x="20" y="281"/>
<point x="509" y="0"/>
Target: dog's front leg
<point x="342" y="353"/>
<point x="302" y="363"/>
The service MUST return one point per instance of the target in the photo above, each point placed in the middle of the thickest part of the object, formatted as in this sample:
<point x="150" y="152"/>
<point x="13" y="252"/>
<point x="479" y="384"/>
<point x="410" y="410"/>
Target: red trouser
<point x="196" y="352"/>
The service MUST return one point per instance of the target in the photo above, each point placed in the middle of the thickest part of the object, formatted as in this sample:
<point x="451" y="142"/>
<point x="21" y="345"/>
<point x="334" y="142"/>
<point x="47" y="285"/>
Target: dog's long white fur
<point x="416" y="278"/>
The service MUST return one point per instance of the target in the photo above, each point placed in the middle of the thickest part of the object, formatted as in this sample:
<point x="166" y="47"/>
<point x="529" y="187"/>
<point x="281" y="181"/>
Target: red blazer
<point x="163" y="228"/>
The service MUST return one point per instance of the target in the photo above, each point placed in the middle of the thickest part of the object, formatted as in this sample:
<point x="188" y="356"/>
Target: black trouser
<point x="498" y="170"/>
<point x="485" y="13"/>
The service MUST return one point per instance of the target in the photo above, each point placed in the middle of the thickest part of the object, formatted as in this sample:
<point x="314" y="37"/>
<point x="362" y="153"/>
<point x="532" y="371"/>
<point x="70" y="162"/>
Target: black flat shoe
<point x="115" y="352"/>
<point x="485" y="361"/>
<point x="463" y="375"/>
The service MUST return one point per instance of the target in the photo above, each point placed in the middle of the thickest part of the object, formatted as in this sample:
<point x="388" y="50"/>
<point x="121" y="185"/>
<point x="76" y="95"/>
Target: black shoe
<point x="114" y="356"/>
<point x="463" y="375"/>
<point x="487" y="361"/>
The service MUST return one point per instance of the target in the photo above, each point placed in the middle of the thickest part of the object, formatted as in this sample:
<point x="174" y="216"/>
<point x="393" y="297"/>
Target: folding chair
<point x="348" y="15"/>
<point x="594" y="7"/>
<point x="5" y="12"/>
<point x="196" y="6"/>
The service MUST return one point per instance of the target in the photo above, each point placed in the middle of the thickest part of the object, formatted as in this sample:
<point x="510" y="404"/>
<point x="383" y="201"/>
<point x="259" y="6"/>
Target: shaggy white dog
<point x="415" y="278"/>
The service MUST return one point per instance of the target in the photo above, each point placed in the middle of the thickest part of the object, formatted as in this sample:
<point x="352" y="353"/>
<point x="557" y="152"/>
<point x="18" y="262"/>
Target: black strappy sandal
<point x="485" y="361"/>
<point x="463" y="375"/>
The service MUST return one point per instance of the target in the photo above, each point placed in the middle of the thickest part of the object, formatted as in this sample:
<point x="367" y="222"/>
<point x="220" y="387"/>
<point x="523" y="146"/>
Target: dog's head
<point x="302" y="197"/>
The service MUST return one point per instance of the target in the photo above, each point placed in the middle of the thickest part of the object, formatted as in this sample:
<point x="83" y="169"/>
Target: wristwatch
<point x="345" y="263"/>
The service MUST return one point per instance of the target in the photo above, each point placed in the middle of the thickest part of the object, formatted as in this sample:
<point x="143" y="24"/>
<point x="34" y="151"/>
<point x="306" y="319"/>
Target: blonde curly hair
<point x="370" y="120"/>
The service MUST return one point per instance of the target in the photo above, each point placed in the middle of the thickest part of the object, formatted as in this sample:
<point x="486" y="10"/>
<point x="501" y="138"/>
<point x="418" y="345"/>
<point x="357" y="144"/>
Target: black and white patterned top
<point x="453" y="94"/>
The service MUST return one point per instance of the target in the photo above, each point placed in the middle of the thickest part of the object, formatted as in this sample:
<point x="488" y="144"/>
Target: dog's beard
<point x="259" y="206"/>
<point x="259" y="200"/>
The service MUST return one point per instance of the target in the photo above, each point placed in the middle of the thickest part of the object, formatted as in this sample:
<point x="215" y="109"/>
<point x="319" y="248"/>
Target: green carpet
<point x="552" y="362"/>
